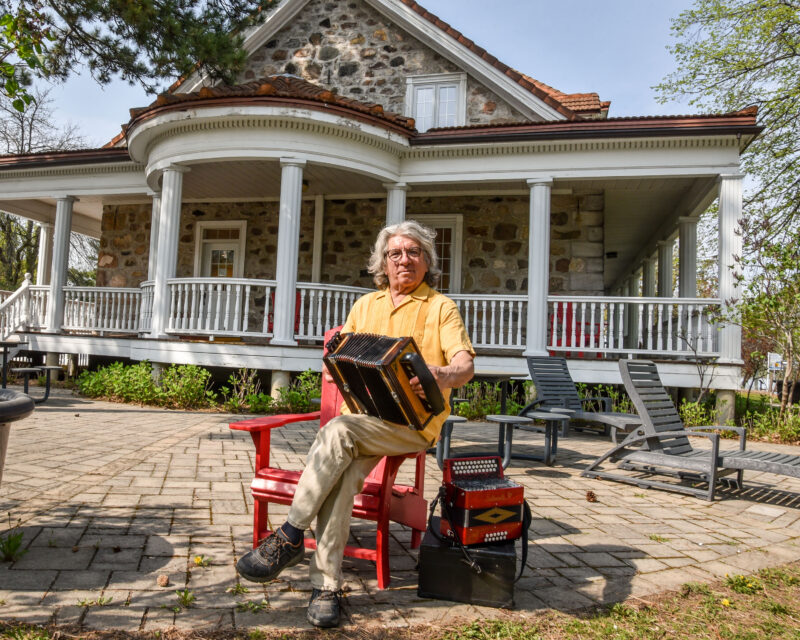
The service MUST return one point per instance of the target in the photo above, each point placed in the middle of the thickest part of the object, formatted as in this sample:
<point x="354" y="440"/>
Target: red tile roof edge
<point x="288" y="90"/>
<point x="743" y="121"/>
<point x="78" y="156"/>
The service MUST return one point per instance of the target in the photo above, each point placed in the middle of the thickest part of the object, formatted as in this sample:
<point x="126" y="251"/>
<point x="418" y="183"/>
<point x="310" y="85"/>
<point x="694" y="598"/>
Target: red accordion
<point x="483" y="506"/>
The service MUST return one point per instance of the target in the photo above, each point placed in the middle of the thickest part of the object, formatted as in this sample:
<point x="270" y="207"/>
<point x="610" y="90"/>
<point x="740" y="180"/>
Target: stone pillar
<point x="665" y="268"/>
<point x="288" y="251"/>
<point x="730" y="245"/>
<point x="169" y="222"/>
<point x="687" y="258"/>
<point x="44" y="261"/>
<point x="538" y="266"/>
<point x="60" y="262"/>
<point x="395" y="202"/>
<point x="278" y="381"/>
<point x="155" y="220"/>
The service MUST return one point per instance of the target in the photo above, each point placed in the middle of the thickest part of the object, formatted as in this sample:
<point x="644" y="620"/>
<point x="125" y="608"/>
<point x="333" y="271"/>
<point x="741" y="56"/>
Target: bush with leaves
<point x="480" y="399"/>
<point x="297" y="397"/>
<point x="187" y="386"/>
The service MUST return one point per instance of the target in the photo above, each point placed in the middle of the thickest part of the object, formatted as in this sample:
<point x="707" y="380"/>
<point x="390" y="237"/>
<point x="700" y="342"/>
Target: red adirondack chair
<point x="381" y="500"/>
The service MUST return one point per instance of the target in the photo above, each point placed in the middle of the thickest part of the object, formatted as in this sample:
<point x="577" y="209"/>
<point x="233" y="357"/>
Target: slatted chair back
<point x="654" y="406"/>
<point x="553" y="383"/>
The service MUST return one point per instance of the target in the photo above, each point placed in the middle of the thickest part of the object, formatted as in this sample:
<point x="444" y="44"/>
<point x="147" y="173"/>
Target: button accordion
<point x="373" y="372"/>
<point x="482" y="505"/>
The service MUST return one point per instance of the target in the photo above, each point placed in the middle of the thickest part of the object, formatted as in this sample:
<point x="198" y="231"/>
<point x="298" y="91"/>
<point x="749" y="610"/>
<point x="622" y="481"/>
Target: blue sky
<point x="616" y="48"/>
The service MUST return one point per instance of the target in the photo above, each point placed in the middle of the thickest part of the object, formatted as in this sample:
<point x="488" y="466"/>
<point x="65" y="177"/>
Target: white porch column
<point x="687" y="258"/>
<point x="538" y="265"/>
<point x="649" y="277"/>
<point x="632" y="312"/>
<point x="169" y="219"/>
<point x="288" y="250"/>
<point x="395" y="202"/>
<point x="44" y="261"/>
<point x="730" y="245"/>
<point x="665" y="268"/>
<point x="155" y="219"/>
<point x="60" y="262"/>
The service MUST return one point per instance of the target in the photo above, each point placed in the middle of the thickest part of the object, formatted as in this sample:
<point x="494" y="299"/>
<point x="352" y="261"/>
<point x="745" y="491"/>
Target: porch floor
<point x="111" y="496"/>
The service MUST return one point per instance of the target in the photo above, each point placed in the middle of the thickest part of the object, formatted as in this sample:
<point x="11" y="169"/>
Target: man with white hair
<point x="405" y="268"/>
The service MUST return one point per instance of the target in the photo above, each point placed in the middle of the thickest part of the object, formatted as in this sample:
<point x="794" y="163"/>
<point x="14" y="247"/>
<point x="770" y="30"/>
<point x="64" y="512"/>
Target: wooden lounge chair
<point x="555" y="391"/>
<point x="661" y="445"/>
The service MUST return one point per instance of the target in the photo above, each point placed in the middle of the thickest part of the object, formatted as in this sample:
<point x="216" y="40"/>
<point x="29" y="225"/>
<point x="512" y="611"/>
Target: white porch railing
<point x="146" y="308"/>
<point x="645" y="326"/>
<point x="40" y="294"/>
<point x="101" y="309"/>
<point x="494" y="321"/>
<point x="221" y="306"/>
<point x="15" y="309"/>
<point x="321" y="307"/>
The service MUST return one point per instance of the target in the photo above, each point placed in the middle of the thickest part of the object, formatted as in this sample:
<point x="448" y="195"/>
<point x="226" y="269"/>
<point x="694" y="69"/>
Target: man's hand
<point x="326" y="375"/>
<point x="456" y="374"/>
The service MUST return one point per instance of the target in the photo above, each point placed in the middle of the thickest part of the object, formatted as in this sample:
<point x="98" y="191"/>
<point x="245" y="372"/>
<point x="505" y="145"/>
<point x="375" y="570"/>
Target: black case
<point x="444" y="575"/>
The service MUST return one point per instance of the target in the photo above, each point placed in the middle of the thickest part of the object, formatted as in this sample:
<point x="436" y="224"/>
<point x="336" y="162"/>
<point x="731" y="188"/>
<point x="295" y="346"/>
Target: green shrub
<point x="241" y="385"/>
<point x="620" y="402"/>
<point x="481" y="399"/>
<point x="697" y="414"/>
<point x="297" y="397"/>
<point x="768" y="425"/>
<point x="133" y="383"/>
<point x="260" y="403"/>
<point x="187" y="386"/>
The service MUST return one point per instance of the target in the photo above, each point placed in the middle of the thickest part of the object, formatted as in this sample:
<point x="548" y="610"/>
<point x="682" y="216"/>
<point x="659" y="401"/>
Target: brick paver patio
<point x="110" y="497"/>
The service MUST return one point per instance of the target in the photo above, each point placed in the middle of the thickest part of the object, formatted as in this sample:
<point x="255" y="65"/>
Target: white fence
<point x="15" y="309"/>
<point x="321" y="307"/>
<point x="221" y="306"/>
<point x="647" y="326"/>
<point x="494" y="321"/>
<point x="102" y="309"/>
<point x="578" y="326"/>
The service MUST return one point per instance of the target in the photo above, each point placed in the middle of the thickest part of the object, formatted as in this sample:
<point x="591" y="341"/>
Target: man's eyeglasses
<point x="395" y="255"/>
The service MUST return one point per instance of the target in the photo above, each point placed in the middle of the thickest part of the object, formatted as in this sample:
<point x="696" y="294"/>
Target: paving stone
<point x="113" y="618"/>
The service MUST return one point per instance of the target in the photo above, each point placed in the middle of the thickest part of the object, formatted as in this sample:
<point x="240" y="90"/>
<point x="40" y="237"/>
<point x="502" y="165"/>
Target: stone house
<point x="235" y="221"/>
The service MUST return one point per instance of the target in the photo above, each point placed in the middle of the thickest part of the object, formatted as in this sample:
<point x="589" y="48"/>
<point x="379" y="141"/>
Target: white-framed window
<point x="437" y="100"/>
<point x="449" y="235"/>
<point x="219" y="249"/>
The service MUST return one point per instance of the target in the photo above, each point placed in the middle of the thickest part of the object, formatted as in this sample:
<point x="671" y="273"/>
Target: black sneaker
<point x="272" y="556"/>
<point x="323" y="608"/>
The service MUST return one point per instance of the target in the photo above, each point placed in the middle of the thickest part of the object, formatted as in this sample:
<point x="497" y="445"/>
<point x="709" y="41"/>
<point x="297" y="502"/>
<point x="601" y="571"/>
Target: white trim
<point x="456" y="222"/>
<point x="437" y="80"/>
<point x="241" y="225"/>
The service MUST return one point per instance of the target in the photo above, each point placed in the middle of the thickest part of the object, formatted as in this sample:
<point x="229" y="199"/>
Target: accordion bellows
<point x="373" y="372"/>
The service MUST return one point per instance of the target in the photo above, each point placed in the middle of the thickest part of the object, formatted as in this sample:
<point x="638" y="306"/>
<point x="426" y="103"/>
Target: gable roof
<point x="534" y="99"/>
<point x="569" y="105"/>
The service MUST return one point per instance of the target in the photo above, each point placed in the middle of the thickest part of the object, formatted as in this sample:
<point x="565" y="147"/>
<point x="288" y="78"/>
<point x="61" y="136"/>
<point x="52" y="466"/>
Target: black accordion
<point x="372" y="373"/>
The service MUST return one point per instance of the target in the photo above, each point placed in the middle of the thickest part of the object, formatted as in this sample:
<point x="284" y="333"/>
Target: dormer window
<point x="438" y="100"/>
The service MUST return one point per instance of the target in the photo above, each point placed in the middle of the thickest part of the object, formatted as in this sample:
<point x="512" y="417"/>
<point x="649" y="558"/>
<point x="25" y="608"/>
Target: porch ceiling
<point x="261" y="179"/>
<point x="640" y="212"/>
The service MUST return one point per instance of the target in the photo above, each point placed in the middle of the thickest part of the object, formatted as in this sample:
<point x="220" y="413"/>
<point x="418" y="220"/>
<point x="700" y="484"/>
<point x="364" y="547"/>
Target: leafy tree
<point x="141" y="41"/>
<point x="769" y="307"/>
<point x="31" y="131"/>
<point x="734" y="53"/>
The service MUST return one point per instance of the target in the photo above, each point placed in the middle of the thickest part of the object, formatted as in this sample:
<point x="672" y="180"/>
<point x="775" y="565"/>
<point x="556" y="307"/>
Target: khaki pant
<point x="344" y="452"/>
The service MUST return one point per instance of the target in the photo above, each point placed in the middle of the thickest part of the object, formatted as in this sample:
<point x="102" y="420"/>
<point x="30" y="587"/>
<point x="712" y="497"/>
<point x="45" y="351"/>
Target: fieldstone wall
<point x="125" y="240"/>
<point x="346" y="46"/>
<point x="494" y="251"/>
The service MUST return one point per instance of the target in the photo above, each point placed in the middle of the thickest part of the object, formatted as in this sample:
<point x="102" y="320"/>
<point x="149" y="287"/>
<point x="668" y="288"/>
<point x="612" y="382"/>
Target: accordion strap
<point x="440" y="498"/>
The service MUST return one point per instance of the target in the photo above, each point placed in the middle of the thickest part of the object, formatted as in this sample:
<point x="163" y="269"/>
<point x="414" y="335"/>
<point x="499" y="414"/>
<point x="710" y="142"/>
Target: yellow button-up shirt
<point x="439" y="337"/>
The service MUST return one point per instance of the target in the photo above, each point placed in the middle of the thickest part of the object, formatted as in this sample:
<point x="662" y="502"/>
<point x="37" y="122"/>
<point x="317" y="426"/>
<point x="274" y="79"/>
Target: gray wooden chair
<point x="556" y="392"/>
<point x="661" y="446"/>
